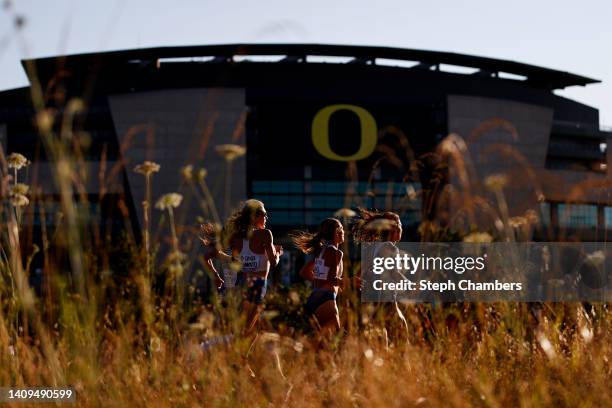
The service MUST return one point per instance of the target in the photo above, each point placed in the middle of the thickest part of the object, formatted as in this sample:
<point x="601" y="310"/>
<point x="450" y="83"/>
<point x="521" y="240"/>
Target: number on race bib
<point x="320" y="271"/>
<point x="250" y="263"/>
<point x="229" y="277"/>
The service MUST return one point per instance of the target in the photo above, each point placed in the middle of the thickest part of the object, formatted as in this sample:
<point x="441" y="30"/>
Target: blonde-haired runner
<point x="253" y="245"/>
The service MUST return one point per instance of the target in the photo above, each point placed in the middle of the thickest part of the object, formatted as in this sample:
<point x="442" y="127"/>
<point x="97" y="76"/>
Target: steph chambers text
<point x="427" y="285"/>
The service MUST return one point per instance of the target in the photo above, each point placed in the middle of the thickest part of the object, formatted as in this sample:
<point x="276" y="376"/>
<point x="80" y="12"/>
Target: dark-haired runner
<point x="384" y="229"/>
<point x="209" y="237"/>
<point x="325" y="271"/>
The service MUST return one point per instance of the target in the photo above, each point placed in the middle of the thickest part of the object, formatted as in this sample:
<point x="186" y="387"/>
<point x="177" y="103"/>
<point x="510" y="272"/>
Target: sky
<point x="565" y="35"/>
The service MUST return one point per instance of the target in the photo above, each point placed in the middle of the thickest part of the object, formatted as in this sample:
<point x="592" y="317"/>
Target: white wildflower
<point x="147" y="168"/>
<point x="170" y="200"/>
<point x="17" y="161"/>
<point x="19" y="200"/>
<point x="230" y="152"/>
<point x="19" y="188"/>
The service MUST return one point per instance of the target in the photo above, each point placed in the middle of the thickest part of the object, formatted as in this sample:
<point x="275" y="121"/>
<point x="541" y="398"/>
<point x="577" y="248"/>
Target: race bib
<point x="250" y="263"/>
<point x="229" y="277"/>
<point x="319" y="270"/>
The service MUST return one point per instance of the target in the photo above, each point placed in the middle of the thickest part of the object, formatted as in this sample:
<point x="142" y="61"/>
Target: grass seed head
<point x="478" y="237"/>
<point x="345" y="213"/>
<point x="170" y="200"/>
<point x="496" y="182"/>
<point x="17" y="161"/>
<point x="201" y="174"/>
<point x="147" y="168"/>
<point x="19" y="188"/>
<point x="19" y="200"/>
<point x="187" y="172"/>
<point x="230" y="152"/>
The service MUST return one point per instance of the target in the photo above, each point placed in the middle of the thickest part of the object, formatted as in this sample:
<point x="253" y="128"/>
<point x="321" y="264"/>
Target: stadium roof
<point x="531" y="74"/>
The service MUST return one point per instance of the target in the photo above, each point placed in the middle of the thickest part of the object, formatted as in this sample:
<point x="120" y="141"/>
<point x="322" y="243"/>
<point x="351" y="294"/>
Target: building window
<point x="577" y="215"/>
<point x="577" y="153"/>
<point x="608" y="216"/>
<point x="545" y="214"/>
<point x="298" y="203"/>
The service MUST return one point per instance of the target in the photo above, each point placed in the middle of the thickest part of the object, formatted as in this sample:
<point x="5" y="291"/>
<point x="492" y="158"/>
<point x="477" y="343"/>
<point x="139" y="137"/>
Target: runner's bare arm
<point x="271" y="250"/>
<point x="211" y="268"/>
<point x="223" y="257"/>
<point x="307" y="272"/>
<point x="335" y="258"/>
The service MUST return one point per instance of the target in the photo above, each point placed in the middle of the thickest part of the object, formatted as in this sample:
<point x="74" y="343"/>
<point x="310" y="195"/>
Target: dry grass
<point x="495" y="356"/>
<point x="112" y="322"/>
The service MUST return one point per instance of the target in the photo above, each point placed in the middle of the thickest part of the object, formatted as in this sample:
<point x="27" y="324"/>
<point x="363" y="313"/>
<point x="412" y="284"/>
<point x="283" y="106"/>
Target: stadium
<point x="326" y="127"/>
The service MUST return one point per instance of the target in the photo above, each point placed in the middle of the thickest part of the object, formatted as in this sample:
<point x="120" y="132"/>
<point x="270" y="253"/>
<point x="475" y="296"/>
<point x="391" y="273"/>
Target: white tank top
<point x="252" y="262"/>
<point x="377" y="248"/>
<point x="320" y="271"/>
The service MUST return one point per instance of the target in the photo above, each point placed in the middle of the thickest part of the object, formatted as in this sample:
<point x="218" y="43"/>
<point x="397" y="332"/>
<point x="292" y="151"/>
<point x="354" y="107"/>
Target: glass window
<point x="577" y="215"/>
<point x="296" y="186"/>
<point x="544" y="214"/>
<point x="363" y="187"/>
<point x="400" y="188"/>
<point x="334" y="202"/>
<point x="260" y="186"/>
<point x="317" y="202"/>
<point x="381" y="202"/>
<point x="296" y="201"/>
<point x="279" y="186"/>
<point x="318" y="186"/>
<point x="382" y="189"/>
<point x="410" y="218"/>
<point x="336" y="187"/>
<point x="296" y="218"/>
<point x="608" y="216"/>
<point x="278" y="217"/>
<point x="315" y="217"/>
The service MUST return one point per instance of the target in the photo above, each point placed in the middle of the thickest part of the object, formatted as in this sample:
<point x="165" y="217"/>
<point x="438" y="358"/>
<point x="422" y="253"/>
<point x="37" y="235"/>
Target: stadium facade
<point x="325" y="127"/>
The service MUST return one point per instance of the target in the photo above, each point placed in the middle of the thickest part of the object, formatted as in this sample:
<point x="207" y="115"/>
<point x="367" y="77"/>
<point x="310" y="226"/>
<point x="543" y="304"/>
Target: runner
<point x="324" y="271"/>
<point x="382" y="228"/>
<point x="253" y="244"/>
<point x="208" y="236"/>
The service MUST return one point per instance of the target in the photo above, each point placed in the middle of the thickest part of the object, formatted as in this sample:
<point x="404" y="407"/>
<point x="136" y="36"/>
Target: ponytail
<point x="310" y="243"/>
<point x="306" y="242"/>
<point x="372" y="226"/>
<point x="209" y="233"/>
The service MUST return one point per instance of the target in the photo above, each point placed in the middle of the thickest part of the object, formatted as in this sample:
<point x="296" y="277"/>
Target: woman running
<point x="324" y="271"/>
<point x="253" y="245"/>
<point x="229" y="279"/>
<point x="381" y="231"/>
<point x="208" y="236"/>
<point x="373" y="226"/>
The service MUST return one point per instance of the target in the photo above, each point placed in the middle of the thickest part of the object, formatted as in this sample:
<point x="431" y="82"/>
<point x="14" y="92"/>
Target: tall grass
<point x="117" y="323"/>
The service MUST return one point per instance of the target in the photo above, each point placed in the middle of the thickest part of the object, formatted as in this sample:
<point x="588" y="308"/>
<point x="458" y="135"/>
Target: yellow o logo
<point x="320" y="132"/>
